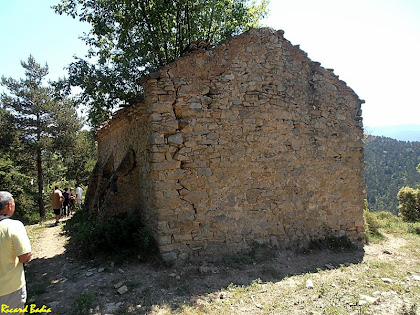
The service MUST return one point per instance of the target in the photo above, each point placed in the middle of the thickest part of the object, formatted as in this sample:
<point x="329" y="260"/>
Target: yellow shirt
<point x="13" y="242"/>
<point x="55" y="199"/>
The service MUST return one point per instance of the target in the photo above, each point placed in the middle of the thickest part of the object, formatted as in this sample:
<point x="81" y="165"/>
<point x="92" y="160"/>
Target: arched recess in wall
<point x="117" y="191"/>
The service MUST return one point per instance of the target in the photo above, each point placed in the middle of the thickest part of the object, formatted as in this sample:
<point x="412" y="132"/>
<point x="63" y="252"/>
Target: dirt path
<point x="68" y="286"/>
<point x="50" y="243"/>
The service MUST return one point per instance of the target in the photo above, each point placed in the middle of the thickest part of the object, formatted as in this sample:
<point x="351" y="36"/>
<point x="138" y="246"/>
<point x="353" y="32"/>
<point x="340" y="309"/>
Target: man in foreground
<point x="15" y="249"/>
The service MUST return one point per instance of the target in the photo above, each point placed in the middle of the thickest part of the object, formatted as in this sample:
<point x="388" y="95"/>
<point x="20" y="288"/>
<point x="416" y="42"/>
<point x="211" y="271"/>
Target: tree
<point x="15" y="176"/>
<point x="41" y="120"/>
<point x="81" y="158"/>
<point x="418" y="168"/>
<point x="409" y="199"/>
<point x="409" y="207"/>
<point x="129" y="39"/>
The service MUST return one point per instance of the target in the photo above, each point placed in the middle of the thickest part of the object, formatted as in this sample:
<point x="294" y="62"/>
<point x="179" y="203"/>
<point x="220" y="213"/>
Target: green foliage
<point x="390" y="223"/>
<point x="409" y="207"/>
<point x="122" y="234"/>
<point x="7" y="130"/>
<point x="389" y="165"/>
<point x="41" y="124"/>
<point x="16" y="170"/>
<point x="371" y="223"/>
<point x="80" y="158"/>
<point x="414" y="228"/>
<point x="131" y="38"/>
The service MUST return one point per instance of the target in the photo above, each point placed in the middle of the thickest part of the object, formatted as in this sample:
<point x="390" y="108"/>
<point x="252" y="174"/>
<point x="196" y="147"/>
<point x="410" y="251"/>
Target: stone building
<point x="249" y="141"/>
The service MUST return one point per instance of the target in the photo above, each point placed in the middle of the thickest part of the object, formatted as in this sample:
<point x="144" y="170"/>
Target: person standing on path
<point x="79" y="194"/>
<point x="72" y="198"/>
<point x="66" y="206"/>
<point x="57" y="199"/>
<point x="15" y="249"/>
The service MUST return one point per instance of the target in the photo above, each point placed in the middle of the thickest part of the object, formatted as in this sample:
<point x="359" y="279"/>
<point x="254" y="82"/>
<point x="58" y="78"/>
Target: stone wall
<point x="121" y="180"/>
<point x="248" y="141"/>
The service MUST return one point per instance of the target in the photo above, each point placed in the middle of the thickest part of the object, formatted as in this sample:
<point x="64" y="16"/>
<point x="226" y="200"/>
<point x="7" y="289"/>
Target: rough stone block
<point x="175" y="139"/>
<point x="161" y="107"/>
<point x="170" y="203"/>
<point x="170" y="256"/>
<point x="166" y="165"/>
<point x="196" y="196"/>
<point x="204" y="171"/>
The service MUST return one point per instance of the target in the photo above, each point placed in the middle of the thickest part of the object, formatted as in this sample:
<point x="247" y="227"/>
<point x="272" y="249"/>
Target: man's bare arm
<point x="25" y="257"/>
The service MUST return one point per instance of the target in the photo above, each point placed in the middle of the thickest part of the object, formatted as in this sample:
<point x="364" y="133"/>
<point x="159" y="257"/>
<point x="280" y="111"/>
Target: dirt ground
<point x="66" y="285"/>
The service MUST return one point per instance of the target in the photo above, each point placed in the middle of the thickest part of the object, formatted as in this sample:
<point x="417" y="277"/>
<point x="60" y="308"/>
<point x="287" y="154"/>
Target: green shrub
<point x="414" y="228"/>
<point x="386" y="216"/>
<point x="389" y="222"/>
<point x="121" y="234"/>
<point x="409" y="207"/>
<point x="372" y="224"/>
<point x="332" y="242"/>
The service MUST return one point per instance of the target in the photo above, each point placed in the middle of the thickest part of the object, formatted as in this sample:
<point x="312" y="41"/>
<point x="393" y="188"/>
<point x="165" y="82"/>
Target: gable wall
<point x="268" y="148"/>
<point x="249" y="141"/>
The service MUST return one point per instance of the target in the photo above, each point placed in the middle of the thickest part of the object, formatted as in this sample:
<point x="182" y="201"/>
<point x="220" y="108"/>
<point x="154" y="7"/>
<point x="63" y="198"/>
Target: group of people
<point x="63" y="202"/>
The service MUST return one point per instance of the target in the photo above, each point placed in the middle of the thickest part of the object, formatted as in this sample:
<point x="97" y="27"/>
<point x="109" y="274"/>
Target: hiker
<point x="15" y="249"/>
<point x="79" y="194"/>
<point x="66" y="202"/>
<point x="57" y="199"/>
<point x="72" y="198"/>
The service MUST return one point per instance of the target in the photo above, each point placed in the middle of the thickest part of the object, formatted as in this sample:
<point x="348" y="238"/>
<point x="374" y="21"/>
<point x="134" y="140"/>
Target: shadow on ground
<point x="70" y="285"/>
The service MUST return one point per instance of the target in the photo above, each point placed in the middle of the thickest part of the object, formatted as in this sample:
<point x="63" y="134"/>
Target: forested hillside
<point x="390" y="165"/>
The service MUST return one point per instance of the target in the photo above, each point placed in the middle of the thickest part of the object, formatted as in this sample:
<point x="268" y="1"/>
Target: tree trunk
<point x="40" y="184"/>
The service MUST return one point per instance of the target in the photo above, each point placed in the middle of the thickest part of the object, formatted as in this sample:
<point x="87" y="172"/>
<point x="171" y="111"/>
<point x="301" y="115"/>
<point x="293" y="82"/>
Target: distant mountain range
<point x="389" y="165"/>
<point x="398" y="132"/>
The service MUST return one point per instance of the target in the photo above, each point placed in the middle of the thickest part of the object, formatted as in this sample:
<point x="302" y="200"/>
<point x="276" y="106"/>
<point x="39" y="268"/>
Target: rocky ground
<point x="67" y="285"/>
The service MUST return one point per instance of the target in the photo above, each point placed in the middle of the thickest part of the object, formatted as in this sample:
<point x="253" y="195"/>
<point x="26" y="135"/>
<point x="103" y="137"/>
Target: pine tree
<point x="40" y="119"/>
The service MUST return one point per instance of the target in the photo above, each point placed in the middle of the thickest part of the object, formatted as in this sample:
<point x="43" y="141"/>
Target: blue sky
<point x="373" y="45"/>
<point x="31" y="27"/>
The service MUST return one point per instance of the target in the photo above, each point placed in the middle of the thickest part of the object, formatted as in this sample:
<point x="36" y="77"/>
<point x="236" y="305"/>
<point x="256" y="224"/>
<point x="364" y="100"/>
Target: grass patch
<point x="372" y="226"/>
<point x="335" y="291"/>
<point x="34" y="231"/>
<point x="389" y="223"/>
<point x="84" y="303"/>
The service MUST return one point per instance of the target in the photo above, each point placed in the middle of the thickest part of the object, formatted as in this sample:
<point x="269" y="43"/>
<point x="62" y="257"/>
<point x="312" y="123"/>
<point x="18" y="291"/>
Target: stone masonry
<point x="249" y="141"/>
